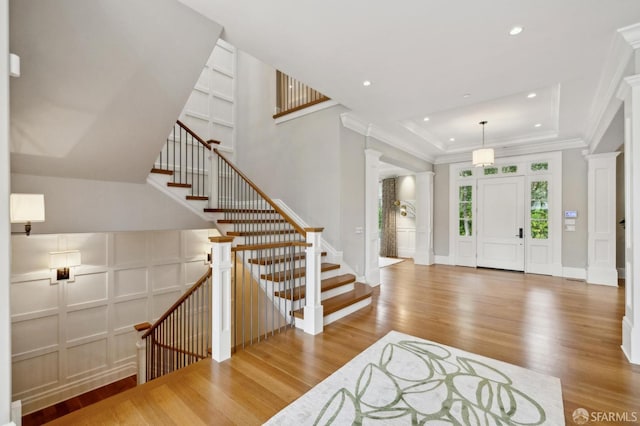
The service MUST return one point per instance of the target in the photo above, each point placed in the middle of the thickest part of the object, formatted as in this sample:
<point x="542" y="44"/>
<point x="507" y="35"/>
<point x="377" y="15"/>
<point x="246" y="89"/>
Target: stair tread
<point x="197" y="197"/>
<point x="162" y="171"/>
<point x="258" y="233"/>
<point x="334" y="304"/>
<point x="282" y="258"/>
<point x="297" y="273"/>
<point x="238" y="211"/>
<point x="179" y="185"/>
<point x="325" y="285"/>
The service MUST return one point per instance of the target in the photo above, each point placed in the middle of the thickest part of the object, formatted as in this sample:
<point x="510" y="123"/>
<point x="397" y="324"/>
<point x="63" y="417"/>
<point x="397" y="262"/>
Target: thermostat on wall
<point x="570" y="213"/>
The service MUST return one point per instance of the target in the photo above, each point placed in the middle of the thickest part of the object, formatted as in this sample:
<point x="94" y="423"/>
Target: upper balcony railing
<point x="293" y="95"/>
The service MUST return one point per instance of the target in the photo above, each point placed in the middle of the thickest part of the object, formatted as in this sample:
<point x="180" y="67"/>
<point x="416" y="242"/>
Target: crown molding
<point x="352" y="122"/>
<point x="631" y="35"/>
<point x="359" y="125"/>
<point x="547" y="146"/>
<point x="606" y="103"/>
<point x="424" y="134"/>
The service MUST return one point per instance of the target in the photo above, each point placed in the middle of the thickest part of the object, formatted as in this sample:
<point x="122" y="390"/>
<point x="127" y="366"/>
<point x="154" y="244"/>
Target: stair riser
<point x="345" y="311"/>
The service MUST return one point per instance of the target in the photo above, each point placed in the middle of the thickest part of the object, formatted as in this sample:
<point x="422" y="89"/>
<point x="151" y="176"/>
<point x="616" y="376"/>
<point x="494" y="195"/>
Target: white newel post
<point x="424" y="219"/>
<point x="213" y="180"/>
<point x="313" y="312"/>
<point x="601" y="218"/>
<point x="221" y="265"/>
<point x="371" y="251"/>
<point x="141" y="351"/>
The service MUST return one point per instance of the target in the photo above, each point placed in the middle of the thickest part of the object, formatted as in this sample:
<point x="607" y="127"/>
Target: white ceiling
<point x="423" y="56"/>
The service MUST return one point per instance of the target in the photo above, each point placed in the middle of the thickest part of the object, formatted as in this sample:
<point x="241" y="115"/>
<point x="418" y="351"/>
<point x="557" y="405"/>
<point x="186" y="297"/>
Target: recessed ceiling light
<point x="366" y="83"/>
<point x="425" y="119"/>
<point x="466" y="95"/>
<point x="532" y="95"/>
<point x="516" y="30"/>
<point x="537" y="125"/>
<point x="452" y="139"/>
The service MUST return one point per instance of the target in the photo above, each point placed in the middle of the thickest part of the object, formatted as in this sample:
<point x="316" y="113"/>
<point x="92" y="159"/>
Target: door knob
<point x="520" y="233"/>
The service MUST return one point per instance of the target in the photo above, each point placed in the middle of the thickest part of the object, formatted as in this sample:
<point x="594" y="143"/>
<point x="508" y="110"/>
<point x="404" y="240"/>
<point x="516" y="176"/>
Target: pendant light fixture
<point x="484" y="156"/>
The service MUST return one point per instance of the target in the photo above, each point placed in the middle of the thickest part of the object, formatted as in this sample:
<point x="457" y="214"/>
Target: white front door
<point x="500" y="236"/>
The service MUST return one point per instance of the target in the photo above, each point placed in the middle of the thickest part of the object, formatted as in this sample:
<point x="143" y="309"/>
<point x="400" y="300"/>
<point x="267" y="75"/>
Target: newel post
<point x="221" y="265"/>
<point x="313" y="317"/>
<point x="141" y="350"/>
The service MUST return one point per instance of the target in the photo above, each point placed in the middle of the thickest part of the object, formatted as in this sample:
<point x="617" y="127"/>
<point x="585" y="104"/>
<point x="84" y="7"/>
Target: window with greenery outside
<point x="540" y="210"/>
<point x="465" y="208"/>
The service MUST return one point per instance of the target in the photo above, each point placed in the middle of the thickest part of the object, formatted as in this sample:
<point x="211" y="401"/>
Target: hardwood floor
<point x="554" y="326"/>
<point x="72" y="404"/>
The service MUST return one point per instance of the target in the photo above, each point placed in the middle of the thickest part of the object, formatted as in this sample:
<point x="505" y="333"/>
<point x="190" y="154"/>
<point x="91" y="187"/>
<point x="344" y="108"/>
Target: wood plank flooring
<point x="555" y="326"/>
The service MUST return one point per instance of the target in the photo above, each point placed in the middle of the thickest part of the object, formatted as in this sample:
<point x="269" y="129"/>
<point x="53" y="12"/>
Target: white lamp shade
<point x="64" y="259"/>
<point x="483" y="157"/>
<point x="26" y="208"/>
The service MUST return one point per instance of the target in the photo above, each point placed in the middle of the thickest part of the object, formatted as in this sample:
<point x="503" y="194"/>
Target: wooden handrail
<point x="173" y="307"/>
<point x="195" y="136"/>
<point x="303" y="106"/>
<point x="277" y="208"/>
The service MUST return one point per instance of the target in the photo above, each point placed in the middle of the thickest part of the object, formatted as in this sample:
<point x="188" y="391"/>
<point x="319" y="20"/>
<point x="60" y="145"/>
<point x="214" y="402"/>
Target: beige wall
<point x="80" y="205"/>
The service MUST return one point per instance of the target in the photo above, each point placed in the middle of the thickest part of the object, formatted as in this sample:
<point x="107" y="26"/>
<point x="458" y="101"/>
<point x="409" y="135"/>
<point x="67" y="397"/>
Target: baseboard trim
<point x="442" y="260"/>
<point x="603" y="276"/>
<point x="574" y="273"/>
<point x="50" y="397"/>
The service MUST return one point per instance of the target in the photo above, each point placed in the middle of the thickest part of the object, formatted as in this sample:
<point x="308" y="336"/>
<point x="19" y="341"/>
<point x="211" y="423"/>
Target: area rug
<point x="404" y="380"/>
<point x="386" y="261"/>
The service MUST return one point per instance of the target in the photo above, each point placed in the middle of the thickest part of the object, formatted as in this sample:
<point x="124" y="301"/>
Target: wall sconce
<point x="26" y="208"/>
<point x="61" y="264"/>
<point x="405" y="209"/>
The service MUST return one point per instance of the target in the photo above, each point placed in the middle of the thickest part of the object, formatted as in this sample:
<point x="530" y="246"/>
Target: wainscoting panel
<point x="71" y="337"/>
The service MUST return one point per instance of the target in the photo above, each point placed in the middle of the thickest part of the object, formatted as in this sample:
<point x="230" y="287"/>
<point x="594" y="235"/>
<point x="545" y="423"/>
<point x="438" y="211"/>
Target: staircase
<point x="268" y="244"/>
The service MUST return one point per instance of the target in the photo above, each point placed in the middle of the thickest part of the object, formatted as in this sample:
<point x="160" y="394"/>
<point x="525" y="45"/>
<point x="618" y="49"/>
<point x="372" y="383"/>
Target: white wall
<point x="5" y="322"/>
<point x="297" y="161"/>
<point x="79" y="205"/>
<point x="574" y="197"/>
<point x="71" y="337"/>
<point x="352" y="162"/>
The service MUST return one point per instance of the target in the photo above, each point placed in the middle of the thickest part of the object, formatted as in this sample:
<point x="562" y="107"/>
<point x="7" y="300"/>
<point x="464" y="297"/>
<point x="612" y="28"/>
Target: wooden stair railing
<point x="293" y="95"/>
<point x="182" y="335"/>
<point x="237" y="194"/>
<point x="185" y="157"/>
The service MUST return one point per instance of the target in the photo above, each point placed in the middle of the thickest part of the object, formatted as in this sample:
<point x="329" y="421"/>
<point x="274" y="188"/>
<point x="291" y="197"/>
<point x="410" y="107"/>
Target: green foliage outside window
<point x="465" y="211"/>
<point x="466" y="173"/>
<point x="539" y="166"/>
<point x="491" y="171"/>
<point x="540" y="210"/>
<point x="509" y="169"/>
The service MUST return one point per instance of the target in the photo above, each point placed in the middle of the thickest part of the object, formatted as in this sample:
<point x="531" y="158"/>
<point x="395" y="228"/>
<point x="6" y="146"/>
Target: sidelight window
<point x="540" y="210"/>
<point x="465" y="209"/>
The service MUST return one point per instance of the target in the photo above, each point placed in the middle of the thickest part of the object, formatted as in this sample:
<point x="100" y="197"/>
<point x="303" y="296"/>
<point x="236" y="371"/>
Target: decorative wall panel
<point x="71" y="337"/>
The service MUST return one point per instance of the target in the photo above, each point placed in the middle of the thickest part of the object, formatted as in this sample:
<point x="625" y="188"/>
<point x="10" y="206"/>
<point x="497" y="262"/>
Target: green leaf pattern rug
<point x="405" y="380"/>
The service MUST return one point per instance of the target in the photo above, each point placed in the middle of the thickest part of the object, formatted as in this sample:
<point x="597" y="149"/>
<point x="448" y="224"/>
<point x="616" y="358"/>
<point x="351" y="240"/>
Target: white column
<point x="313" y="312"/>
<point x="5" y="231"/>
<point x="601" y="219"/>
<point x="630" y="93"/>
<point x="371" y="268"/>
<point x="424" y="219"/>
<point x="221" y="265"/>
